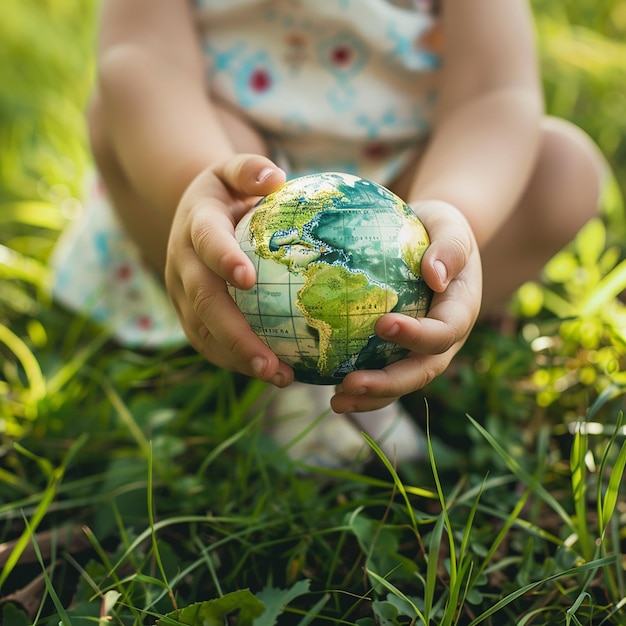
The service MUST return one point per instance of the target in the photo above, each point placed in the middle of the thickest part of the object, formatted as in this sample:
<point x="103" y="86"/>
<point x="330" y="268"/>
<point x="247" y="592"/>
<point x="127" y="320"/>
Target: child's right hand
<point x="203" y="255"/>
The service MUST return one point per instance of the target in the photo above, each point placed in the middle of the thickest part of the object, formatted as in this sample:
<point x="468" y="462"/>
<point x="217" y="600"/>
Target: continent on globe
<point x="343" y="307"/>
<point x="333" y="253"/>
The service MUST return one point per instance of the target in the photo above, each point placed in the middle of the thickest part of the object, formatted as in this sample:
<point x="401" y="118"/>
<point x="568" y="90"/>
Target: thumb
<point x="250" y="174"/>
<point x="451" y="242"/>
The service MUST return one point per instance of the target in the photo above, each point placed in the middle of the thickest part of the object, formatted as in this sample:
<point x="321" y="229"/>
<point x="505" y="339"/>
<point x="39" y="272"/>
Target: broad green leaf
<point x="214" y="612"/>
<point x="386" y="613"/>
<point x="561" y="267"/>
<point x="591" y="242"/>
<point x="608" y="288"/>
<point x="530" y="299"/>
<point x="14" y="616"/>
<point x="32" y="213"/>
<point x="275" y="601"/>
<point x="404" y="607"/>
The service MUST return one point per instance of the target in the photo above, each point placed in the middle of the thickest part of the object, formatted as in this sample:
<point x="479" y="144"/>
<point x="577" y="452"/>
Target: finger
<point x="346" y="403"/>
<point x="250" y="174"/>
<point x="432" y="341"/>
<point x="452" y="242"/>
<point x="394" y="381"/>
<point x="247" y="176"/>
<point x="425" y="335"/>
<point x="213" y="241"/>
<point x="220" y="331"/>
<point x="259" y="364"/>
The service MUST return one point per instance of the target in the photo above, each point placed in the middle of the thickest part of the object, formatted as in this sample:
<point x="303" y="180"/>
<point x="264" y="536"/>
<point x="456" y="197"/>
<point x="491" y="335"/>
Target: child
<point x="198" y="104"/>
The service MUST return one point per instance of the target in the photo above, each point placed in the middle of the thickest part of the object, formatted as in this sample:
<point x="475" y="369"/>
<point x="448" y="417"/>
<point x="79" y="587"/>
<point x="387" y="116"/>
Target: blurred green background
<point x="46" y="69"/>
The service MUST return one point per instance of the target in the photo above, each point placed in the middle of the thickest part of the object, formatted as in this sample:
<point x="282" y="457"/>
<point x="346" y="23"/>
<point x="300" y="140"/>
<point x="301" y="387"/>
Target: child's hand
<point x="203" y="255"/>
<point x="451" y="267"/>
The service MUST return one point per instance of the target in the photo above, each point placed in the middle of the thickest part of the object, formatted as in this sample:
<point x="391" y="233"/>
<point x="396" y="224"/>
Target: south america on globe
<point x="333" y="253"/>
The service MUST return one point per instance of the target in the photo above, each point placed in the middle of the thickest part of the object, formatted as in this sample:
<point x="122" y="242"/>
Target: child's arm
<point x="486" y="138"/>
<point x="159" y="119"/>
<point x="166" y="151"/>
<point x="478" y="162"/>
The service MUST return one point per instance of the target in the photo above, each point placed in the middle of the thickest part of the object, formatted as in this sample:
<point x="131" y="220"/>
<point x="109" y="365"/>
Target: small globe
<point x="333" y="253"/>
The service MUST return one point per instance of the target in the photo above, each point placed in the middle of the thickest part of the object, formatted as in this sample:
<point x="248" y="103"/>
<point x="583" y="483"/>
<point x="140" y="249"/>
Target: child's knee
<point x="577" y="166"/>
<point x="99" y="139"/>
<point x="568" y="180"/>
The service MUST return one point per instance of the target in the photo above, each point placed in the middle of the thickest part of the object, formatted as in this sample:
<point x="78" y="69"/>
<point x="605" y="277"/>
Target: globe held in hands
<point x="333" y="253"/>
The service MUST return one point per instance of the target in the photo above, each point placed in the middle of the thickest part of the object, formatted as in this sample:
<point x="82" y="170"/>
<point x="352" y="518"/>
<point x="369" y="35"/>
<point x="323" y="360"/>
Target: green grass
<point x="141" y="488"/>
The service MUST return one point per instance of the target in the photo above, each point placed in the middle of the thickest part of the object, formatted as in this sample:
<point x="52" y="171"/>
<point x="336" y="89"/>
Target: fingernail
<point x="278" y="379"/>
<point x="394" y="329"/>
<point x="239" y="274"/>
<point x="442" y="271"/>
<point x="264" y="174"/>
<point x="359" y="391"/>
<point x="258" y="364"/>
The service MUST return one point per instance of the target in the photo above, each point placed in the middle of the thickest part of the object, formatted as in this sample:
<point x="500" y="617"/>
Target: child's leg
<point x="300" y="420"/>
<point x="561" y="197"/>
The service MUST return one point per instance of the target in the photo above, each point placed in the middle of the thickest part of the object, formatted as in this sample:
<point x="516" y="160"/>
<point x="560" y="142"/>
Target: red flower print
<point x="124" y="272"/>
<point x="260" y="80"/>
<point x="376" y="151"/>
<point x="144" y="322"/>
<point x="341" y="55"/>
<point x="99" y="189"/>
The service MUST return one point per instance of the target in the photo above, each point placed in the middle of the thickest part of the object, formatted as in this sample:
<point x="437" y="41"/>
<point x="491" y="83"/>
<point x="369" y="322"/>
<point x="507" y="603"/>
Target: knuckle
<point x="205" y="343"/>
<point x="428" y="375"/>
<point x="389" y="388"/>
<point x="204" y="303"/>
<point x="459" y="249"/>
<point x="449" y="339"/>
<point x="201" y="234"/>
<point x="237" y="343"/>
<point x="204" y="335"/>
<point x="226" y="264"/>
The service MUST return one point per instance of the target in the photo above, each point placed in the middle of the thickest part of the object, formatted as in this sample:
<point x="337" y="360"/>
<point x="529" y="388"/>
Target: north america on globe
<point x="333" y="253"/>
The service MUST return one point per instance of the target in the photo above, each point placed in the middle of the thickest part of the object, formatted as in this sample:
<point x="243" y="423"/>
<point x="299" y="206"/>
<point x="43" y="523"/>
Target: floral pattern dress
<point x="332" y="85"/>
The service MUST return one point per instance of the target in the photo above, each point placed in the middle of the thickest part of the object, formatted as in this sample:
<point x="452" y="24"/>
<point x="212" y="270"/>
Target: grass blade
<point x="580" y="447"/>
<point x="396" y="592"/>
<point x="609" y="501"/>
<point x="593" y="565"/>
<point x="524" y="476"/>
<point x="34" y="375"/>
<point x="58" y="605"/>
<point x="432" y="566"/>
<point x="396" y="479"/>
<point x="55" y="478"/>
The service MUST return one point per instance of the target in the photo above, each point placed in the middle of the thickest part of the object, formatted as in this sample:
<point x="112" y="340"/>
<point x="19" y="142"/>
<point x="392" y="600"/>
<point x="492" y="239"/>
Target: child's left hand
<point x="451" y="266"/>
